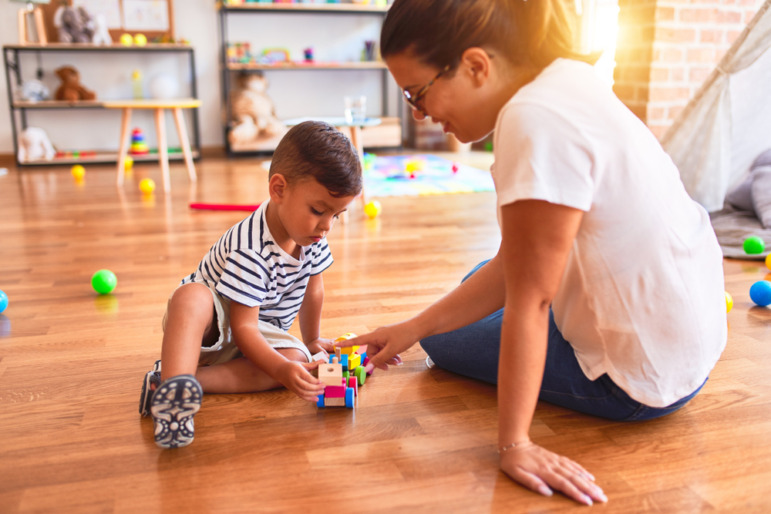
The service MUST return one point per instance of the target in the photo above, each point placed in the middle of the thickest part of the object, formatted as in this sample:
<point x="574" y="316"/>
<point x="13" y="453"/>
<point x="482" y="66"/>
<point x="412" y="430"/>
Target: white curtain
<point x="728" y="123"/>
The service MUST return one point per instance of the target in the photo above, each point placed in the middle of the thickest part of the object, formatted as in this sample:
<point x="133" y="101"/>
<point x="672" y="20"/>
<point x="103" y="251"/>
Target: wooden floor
<point x="71" y="365"/>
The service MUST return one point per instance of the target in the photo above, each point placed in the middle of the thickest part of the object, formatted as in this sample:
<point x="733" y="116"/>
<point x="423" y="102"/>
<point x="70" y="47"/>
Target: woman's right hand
<point x="385" y="344"/>
<point x="540" y="470"/>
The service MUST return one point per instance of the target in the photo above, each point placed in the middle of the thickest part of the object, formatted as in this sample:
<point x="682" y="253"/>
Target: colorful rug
<point x="412" y="175"/>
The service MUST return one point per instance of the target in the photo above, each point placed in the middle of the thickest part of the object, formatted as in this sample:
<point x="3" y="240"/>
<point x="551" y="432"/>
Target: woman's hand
<point x="384" y="344"/>
<point x="542" y="471"/>
<point x="296" y="377"/>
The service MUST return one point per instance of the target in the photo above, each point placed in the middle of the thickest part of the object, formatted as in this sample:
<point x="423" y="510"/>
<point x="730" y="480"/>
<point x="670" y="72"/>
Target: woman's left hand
<point x="541" y="471"/>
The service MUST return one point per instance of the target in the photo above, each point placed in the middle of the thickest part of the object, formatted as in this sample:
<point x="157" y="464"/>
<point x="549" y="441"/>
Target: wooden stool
<point x="176" y="106"/>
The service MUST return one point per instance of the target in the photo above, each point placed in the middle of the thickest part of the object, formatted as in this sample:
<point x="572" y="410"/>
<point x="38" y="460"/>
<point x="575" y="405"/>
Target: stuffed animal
<point x="70" y="89"/>
<point x="754" y="194"/>
<point x="74" y="24"/>
<point x="252" y="111"/>
<point x="101" y="33"/>
<point x="34" y="145"/>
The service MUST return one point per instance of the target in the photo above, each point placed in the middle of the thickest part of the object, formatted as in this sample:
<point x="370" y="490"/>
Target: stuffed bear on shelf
<point x="252" y="112"/>
<point x="74" y="24"/>
<point x="70" y="89"/>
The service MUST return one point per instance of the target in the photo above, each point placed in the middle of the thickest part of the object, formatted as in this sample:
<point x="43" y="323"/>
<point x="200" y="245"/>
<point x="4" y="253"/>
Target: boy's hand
<point x="297" y="378"/>
<point x="321" y="344"/>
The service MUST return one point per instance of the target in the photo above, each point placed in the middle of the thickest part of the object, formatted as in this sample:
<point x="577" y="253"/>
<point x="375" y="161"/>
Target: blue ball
<point x="3" y="301"/>
<point x="760" y="292"/>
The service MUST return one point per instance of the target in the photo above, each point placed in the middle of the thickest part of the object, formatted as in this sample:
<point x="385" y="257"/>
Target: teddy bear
<point x="252" y="111"/>
<point x="74" y="24"/>
<point x="70" y="89"/>
<point x="34" y="145"/>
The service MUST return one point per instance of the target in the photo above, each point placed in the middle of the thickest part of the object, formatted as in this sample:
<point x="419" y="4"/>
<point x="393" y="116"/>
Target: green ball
<point x="754" y="245"/>
<point x="104" y="281"/>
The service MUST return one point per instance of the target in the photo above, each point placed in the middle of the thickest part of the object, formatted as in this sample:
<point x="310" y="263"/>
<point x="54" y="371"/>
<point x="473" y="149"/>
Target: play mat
<point x="412" y="175"/>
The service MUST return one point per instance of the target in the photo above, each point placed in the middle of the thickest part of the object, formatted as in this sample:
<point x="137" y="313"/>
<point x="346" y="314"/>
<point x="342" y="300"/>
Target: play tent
<point x="728" y="123"/>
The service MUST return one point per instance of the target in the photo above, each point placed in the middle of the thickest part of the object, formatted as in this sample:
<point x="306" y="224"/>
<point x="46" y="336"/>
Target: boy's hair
<point x="437" y="32"/>
<point x="314" y="149"/>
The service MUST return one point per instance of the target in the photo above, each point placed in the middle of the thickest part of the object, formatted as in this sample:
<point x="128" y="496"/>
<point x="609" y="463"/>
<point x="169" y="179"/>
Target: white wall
<point x="295" y="93"/>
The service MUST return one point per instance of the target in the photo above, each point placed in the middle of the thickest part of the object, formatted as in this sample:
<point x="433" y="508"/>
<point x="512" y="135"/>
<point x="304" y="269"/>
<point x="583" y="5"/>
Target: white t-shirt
<point x="642" y="297"/>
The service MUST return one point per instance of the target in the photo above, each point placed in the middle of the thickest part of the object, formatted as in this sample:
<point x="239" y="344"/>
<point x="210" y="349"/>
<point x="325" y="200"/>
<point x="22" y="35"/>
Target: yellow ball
<point x="372" y="209"/>
<point x="126" y="40"/>
<point x="140" y="40"/>
<point x="147" y="185"/>
<point x="768" y="261"/>
<point x="78" y="172"/>
<point x="128" y="163"/>
<point x="729" y="302"/>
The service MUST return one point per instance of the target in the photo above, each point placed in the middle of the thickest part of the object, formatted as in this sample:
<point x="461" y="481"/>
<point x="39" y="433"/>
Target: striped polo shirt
<point x="248" y="267"/>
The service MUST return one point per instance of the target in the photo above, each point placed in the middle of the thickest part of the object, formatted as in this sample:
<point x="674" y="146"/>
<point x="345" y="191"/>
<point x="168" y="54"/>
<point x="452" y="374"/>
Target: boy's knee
<point x="192" y="297"/>
<point x="293" y="354"/>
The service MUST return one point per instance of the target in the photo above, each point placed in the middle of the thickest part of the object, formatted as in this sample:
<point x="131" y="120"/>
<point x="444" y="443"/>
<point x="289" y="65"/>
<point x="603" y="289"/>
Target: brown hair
<point x="437" y="32"/>
<point x="314" y="149"/>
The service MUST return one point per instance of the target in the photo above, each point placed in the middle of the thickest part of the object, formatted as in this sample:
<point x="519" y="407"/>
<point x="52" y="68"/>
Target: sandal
<point x="173" y="406"/>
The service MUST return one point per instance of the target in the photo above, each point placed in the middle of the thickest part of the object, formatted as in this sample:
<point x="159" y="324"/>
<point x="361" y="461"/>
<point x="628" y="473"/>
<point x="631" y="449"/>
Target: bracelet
<point x="508" y="447"/>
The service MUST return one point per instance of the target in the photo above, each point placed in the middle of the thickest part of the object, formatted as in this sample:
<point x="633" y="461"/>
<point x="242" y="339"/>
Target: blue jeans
<point x="472" y="351"/>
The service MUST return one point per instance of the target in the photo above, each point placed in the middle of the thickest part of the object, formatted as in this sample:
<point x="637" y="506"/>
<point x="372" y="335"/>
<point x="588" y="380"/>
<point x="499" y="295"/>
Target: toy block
<point x="354" y="361"/>
<point x="321" y="356"/>
<point x="348" y="350"/>
<point x="334" y="402"/>
<point x="344" y="362"/>
<point x="334" y="391"/>
<point x="330" y="374"/>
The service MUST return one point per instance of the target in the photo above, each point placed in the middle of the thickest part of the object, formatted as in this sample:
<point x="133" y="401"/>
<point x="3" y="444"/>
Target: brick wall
<point x="666" y="48"/>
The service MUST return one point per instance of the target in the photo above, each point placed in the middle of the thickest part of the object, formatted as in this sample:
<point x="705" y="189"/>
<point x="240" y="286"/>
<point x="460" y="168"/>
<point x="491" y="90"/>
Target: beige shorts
<point x="224" y="349"/>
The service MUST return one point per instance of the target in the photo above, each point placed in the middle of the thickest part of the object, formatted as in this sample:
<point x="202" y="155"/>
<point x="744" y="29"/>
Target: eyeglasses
<point x="413" y="100"/>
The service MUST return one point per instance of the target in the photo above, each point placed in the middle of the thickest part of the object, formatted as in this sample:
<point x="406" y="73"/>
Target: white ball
<point x="163" y="87"/>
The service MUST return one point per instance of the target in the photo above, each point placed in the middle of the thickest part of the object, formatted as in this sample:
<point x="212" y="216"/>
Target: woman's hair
<point x="437" y="32"/>
<point x="314" y="149"/>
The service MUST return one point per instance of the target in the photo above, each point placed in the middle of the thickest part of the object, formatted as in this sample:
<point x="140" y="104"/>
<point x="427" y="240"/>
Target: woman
<point x="606" y="295"/>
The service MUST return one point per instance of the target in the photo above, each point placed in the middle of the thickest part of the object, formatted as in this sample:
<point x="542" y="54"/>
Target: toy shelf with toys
<point x="303" y="59"/>
<point x="36" y="108"/>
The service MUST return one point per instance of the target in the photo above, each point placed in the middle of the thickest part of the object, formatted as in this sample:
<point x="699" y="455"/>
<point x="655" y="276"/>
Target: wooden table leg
<point x="185" y="142"/>
<point x="163" y="151"/>
<point x="357" y="144"/>
<point x="124" y="144"/>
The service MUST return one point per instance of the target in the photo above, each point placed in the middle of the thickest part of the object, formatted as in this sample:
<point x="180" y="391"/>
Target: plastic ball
<point x="128" y="163"/>
<point x="3" y="301"/>
<point x="729" y="302"/>
<point x="754" y="245"/>
<point x="147" y="185"/>
<point x="372" y="209"/>
<point x="126" y="40"/>
<point x="760" y="292"/>
<point x="104" y="281"/>
<point x="768" y="261"/>
<point x="78" y="172"/>
<point x="140" y="40"/>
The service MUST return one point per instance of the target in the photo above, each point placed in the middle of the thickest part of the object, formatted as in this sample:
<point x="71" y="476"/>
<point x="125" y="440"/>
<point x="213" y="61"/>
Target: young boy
<point x="225" y="328"/>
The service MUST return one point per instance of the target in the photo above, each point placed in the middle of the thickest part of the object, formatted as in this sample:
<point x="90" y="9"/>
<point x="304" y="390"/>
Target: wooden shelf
<point x="57" y="104"/>
<point x="312" y="8"/>
<point x="86" y="47"/>
<point x="357" y="65"/>
<point x="102" y="157"/>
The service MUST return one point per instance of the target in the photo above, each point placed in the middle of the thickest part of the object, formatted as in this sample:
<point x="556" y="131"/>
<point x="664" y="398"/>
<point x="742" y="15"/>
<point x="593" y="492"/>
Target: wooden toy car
<point x="342" y="375"/>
